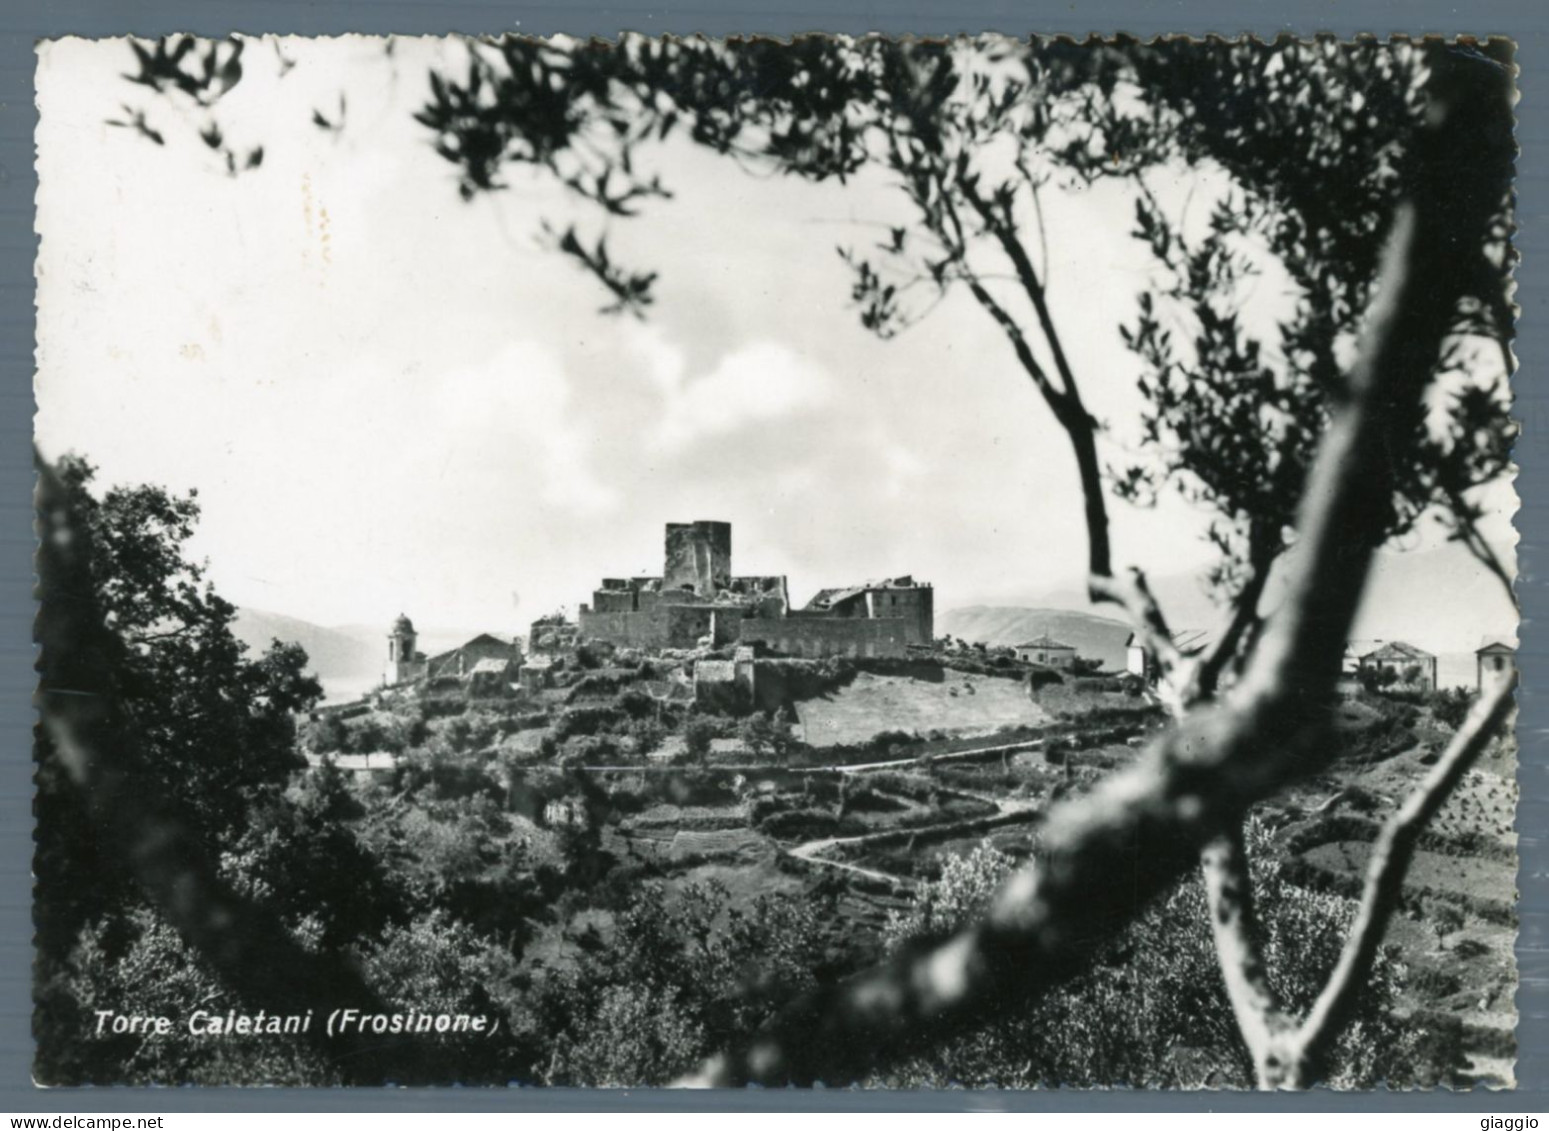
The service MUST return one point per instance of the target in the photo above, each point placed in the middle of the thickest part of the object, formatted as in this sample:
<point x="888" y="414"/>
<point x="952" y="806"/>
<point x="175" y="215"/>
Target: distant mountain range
<point x="1092" y="636"/>
<point x="1441" y="600"/>
<point x="347" y="658"/>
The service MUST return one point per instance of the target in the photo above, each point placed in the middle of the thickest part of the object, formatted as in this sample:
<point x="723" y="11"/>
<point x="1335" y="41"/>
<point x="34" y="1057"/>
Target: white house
<point x="1047" y="651"/>
<point x="1410" y="665"/>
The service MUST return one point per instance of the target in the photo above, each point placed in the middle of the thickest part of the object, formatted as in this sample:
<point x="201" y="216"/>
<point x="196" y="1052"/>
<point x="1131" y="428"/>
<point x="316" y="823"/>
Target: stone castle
<point x="698" y="599"/>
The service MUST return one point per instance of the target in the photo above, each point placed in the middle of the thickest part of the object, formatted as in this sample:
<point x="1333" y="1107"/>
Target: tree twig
<point x="1132" y="593"/>
<point x="1261" y="1019"/>
<point x="1390" y="859"/>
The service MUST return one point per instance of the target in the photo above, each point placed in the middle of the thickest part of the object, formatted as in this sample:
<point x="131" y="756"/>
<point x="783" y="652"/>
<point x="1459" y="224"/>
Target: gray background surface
<point x="21" y="24"/>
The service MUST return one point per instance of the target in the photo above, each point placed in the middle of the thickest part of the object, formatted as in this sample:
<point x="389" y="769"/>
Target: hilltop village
<point x="695" y="731"/>
<point x="719" y="627"/>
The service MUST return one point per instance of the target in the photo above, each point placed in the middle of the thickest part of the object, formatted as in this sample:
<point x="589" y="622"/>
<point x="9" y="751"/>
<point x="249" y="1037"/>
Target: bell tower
<point x="404" y="663"/>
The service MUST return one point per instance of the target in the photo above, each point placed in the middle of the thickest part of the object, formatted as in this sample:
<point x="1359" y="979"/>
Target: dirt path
<point x="1007" y="811"/>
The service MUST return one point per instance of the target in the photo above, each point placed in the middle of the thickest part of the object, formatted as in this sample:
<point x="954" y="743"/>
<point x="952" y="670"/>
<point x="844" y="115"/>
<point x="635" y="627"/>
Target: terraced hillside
<point x="959" y="704"/>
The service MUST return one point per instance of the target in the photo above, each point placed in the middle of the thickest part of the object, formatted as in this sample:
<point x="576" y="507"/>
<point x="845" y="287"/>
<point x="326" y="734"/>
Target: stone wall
<point x="614" y="601"/>
<point x="660" y="626"/>
<point x="815" y="636"/>
<point x="549" y="634"/>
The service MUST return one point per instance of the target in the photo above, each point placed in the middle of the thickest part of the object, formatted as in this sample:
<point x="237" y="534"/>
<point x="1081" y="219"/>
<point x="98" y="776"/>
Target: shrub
<point x="1469" y="948"/>
<point x="807" y="823"/>
<point x="1382" y="738"/>
<point x="761" y="734"/>
<point x="590" y="719"/>
<point x="1043" y="677"/>
<point x="1436" y="984"/>
<point x="905" y="784"/>
<point x="1435" y="1044"/>
<point x="600" y="684"/>
<point x="859" y="799"/>
<point x="696" y="738"/>
<point x="681" y="978"/>
<point x="1451" y="707"/>
<point x="590" y="748"/>
<point x="593" y="654"/>
<point x="440" y="707"/>
<point x="647" y="733"/>
<point x="326" y="735"/>
<point x="884" y="742"/>
<point x="1156" y="988"/>
<point x="762" y="808"/>
<point x="637" y="704"/>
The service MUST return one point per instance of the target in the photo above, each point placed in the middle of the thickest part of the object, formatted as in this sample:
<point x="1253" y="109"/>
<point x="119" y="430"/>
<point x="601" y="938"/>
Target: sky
<point x="390" y="399"/>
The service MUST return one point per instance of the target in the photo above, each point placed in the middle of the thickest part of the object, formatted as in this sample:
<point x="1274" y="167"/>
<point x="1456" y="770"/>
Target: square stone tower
<point x="698" y="557"/>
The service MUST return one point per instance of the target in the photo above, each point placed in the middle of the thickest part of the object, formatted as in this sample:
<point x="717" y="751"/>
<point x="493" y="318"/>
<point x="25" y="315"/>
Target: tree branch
<point x="1133" y="594"/>
<point x="1261" y="1019"/>
<point x="1390" y="859"/>
<point x="1149" y="823"/>
<point x="1206" y="676"/>
<point x="1019" y="343"/>
<point x="1064" y="402"/>
<point x="1002" y="229"/>
<point x="1484" y="553"/>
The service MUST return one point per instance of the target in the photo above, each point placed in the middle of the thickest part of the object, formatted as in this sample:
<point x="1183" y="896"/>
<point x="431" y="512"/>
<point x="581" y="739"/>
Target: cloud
<point x="760" y="382"/>
<point x="517" y="408"/>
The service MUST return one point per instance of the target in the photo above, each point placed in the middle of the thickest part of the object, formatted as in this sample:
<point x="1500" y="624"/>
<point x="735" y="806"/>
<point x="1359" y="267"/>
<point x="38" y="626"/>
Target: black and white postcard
<point x="906" y="563"/>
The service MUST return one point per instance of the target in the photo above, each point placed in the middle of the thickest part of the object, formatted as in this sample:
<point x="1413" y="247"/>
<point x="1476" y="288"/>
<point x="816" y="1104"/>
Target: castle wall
<point x="626" y="629"/>
<point x="667" y="623"/>
<point x="661" y="626"/>
<point x="815" y="637"/>
<point x="614" y="600"/>
<point x="697" y="597"/>
<point x="687" y="623"/>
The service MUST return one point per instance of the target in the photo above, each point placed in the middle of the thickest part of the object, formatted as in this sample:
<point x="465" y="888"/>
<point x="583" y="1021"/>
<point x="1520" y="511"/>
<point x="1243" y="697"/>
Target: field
<point x="960" y="704"/>
<point x="1480" y="884"/>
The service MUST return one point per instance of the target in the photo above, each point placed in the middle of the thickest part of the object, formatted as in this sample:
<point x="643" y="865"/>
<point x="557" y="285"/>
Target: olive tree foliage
<point x="1371" y="178"/>
<point x="1153" y="991"/>
<point x="683" y="975"/>
<point x="1332" y="161"/>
